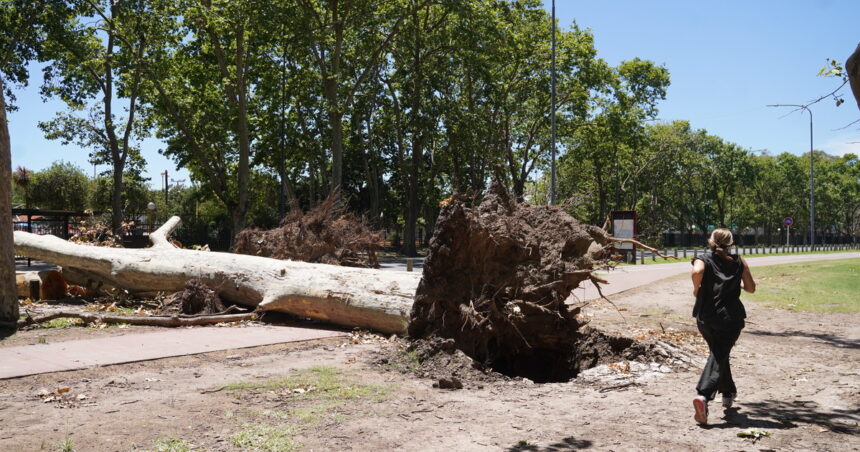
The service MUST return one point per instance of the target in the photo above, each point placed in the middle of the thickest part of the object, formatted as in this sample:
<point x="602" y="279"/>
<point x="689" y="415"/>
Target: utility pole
<point x="165" y="184"/>
<point x="811" y="175"/>
<point x="552" y="192"/>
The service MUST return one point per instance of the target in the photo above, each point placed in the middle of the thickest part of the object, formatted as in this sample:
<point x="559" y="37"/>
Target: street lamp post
<point x="811" y="175"/>
<point x="151" y="207"/>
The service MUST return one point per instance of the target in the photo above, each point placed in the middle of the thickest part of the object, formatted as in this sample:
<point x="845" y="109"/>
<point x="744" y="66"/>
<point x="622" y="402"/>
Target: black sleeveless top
<point x="718" y="299"/>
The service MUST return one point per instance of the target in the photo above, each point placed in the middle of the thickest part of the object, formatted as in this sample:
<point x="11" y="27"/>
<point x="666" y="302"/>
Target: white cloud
<point x="842" y="144"/>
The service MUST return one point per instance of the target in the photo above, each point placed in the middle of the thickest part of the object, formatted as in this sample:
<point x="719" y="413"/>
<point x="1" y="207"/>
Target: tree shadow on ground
<point x="776" y="414"/>
<point x="827" y="338"/>
<point x="569" y="443"/>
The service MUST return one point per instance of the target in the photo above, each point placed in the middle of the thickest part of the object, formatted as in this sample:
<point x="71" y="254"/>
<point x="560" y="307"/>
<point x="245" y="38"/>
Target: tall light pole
<point x="166" y="185"/>
<point x="552" y="118"/>
<point x="811" y="175"/>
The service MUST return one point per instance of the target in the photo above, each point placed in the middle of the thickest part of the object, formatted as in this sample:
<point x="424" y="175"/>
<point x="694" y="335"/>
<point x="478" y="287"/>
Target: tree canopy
<point x="396" y="106"/>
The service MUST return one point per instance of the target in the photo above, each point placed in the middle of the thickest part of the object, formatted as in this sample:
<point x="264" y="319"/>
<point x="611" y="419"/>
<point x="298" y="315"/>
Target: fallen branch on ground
<point x="165" y="321"/>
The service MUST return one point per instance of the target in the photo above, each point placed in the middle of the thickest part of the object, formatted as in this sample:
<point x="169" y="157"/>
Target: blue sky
<point x="727" y="60"/>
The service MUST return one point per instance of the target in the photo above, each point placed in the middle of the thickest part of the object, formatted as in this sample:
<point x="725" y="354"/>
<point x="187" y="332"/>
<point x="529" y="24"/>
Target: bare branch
<point x="639" y="244"/>
<point x="165" y="321"/>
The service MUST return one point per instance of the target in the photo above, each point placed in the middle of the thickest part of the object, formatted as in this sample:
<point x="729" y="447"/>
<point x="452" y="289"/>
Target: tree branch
<point x="164" y="321"/>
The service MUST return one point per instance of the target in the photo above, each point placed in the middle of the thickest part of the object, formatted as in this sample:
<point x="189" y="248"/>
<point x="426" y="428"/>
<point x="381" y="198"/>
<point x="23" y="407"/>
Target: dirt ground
<point x="797" y="374"/>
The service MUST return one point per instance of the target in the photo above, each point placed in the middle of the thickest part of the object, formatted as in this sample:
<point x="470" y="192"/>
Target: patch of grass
<point x="168" y="444"/>
<point x="412" y="359"/>
<point x="316" y="382"/>
<point x="319" y="391"/>
<point x="241" y="386"/>
<point x="266" y="438"/>
<point x="404" y="361"/>
<point x="827" y="286"/>
<point x="62" y="323"/>
<point x="308" y="416"/>
<point x="66" y="445"/>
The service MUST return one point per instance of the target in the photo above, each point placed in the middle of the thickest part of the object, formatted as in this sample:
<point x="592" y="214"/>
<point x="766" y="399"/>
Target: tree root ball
<point x="327" y="234"/>
<point x="496" y="279"/>
<point x="197" y="298"/>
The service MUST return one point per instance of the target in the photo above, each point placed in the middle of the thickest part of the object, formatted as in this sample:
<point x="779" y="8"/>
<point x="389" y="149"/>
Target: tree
<point x="23" y="24"/>
<point x="606" y="146"/>
<point x="346" y="41"/>
<point x="201" y="79"/>
<point x="90" y="60"/>
<point x="22" y="178"/>
<point x="135" y="194"/>
<point x="62" y="186"/>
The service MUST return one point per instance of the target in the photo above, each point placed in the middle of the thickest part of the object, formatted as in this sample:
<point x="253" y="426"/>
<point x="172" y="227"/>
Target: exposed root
<point x="495" y="282"/>
<point x="327" y="234"/>
<point x="640" y="245"/>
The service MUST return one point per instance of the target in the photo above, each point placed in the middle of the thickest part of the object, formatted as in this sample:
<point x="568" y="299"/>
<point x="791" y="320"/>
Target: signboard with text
<point x="624" y="226"/>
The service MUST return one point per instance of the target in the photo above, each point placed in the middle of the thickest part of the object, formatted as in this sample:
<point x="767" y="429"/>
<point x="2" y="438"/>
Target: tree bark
<point x="417" y="142"/>
<point x="244" y="201"/>
<point x="8" y="294"/>
<point x="330" y="87"/>
<point x="353" y="297"/>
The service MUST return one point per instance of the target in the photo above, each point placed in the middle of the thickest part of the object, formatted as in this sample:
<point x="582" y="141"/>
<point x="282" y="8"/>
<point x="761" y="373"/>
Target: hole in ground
<point x="564" y="363"/>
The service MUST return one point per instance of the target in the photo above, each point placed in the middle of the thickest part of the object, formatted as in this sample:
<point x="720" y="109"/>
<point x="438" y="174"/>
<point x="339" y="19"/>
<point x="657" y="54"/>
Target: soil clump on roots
<point x="495" y="282"/>
<point x="327" y="234"/>
<point x="196" y="299"/>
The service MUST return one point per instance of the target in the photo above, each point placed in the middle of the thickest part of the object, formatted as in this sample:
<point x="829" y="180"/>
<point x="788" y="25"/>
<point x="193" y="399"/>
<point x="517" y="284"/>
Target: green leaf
<point x="753" y="433"/>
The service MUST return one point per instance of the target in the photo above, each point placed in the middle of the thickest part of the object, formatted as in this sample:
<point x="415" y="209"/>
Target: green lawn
<point x="681" y="258"/>
<point x="827" y="286"/>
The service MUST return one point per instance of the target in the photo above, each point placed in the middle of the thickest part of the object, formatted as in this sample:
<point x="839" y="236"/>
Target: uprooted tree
<point x="495" y="282"/>
<point x="327" y="234"/>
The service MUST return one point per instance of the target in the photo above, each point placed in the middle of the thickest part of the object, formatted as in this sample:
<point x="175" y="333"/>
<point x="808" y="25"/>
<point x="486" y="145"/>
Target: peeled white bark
<point x="355" y="297"/>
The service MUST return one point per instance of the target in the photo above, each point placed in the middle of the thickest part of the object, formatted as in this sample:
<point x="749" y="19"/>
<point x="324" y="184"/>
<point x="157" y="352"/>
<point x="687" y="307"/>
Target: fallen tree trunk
<point x="354" y="297"/>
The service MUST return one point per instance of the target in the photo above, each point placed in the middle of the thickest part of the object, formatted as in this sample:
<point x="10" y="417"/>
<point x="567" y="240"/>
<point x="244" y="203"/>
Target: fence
<point x="700" y="239"/>
<point x="194" y="231"/>
<point x="61" y="223"/>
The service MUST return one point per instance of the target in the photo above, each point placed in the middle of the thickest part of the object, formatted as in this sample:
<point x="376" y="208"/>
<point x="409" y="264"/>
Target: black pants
<point x="717" y="375"/>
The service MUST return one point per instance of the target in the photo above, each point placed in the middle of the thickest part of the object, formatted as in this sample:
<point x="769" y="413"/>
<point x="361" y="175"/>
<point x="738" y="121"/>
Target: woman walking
<point x="718" y="278"/>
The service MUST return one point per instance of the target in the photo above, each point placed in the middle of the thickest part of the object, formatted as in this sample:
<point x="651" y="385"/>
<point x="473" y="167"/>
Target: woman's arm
<point x="698" y="274"/>
<point x="747" y="279"/>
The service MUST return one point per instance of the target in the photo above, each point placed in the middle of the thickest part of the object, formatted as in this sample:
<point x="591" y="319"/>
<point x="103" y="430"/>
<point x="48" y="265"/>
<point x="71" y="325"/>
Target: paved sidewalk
<point x="71" y="355"/>
<point x="629" y="277"/>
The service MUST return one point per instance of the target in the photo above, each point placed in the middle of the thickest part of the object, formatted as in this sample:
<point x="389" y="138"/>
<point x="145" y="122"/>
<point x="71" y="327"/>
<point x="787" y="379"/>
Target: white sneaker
<point x="700" y="404"/>
<point x="728" y="400"/>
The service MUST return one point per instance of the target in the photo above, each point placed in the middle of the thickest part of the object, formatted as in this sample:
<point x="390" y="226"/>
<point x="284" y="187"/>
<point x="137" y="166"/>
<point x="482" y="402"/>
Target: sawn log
<point x="347" y="296"/>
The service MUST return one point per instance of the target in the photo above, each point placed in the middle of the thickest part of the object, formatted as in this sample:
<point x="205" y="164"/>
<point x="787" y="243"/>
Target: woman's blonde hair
<point x="721" y="239"/>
